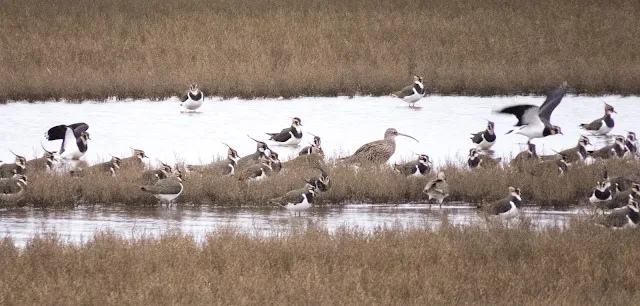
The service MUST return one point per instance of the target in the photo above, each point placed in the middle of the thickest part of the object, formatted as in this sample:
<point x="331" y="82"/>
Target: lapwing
<point x="476" y="159"/>
<point x="484" y="140"/>
<point x="18" y="167"/>
<point x="619" y="199"/>
<point x="619" y="183"/>
<point x="379" y="151"/>
<point x="163" y="172"/>
<point x="276" y="164"/>
<point x="315" y="147"/>
<point x="534" y="121"/>
<point x="622" y="217"/>
<point x="262" y="150"/>
<point x="322" y="182"/>
<point x="558" y="165"/>
<point x="416" y="168"/>
<point x="168" y="189"/>
<point x="577" y="153"/>
<point x="617" y="149"/>
<point x="136" y="160"/>
<point x="226" y="167"/>
<point x="601" y="126"/>
<point x="437" y="188"/>
<point x="13" y="189"/>
<point x="74" y="139"/>
<point x="256" y="172"/>
<point x="110" y="167"/>
<point x="290" y="136"/>
<point x="632" y="144"/>
<point x="525" y="157"/>
<point x="412" y="93"/>
<point x="45" y="163"/>
<point x="602" y="193"/>
<point x="506" y="208"/>
<point x="297" y="200"/>
<point x="192" y="99"/>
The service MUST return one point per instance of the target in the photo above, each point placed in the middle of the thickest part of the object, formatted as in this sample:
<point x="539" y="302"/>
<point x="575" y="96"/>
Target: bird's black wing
<point x="526" y="113"/>
<point x="283" y="136"/>
<point x="477" y="137"/>
<point x="78" y="128"/>
<point x="552" y="102"/>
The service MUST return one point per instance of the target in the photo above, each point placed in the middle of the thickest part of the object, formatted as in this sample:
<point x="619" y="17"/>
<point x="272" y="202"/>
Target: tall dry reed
<point x="493" y="265"/>
<point x="368" y="185"/>
<point x="154" y="49"/>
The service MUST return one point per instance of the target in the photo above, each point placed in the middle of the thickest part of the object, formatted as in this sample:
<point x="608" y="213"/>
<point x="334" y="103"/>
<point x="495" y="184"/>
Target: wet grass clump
<point x="367" y="185"/>
<point x="493" y="265"/>
<point x="74" y="50"/>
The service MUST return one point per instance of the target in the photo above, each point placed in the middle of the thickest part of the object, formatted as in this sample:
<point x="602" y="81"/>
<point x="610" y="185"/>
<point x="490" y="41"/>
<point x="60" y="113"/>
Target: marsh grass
<point x="367" y="185"/>
<point x="489" y="265"/>
<point x="67" y="49"/>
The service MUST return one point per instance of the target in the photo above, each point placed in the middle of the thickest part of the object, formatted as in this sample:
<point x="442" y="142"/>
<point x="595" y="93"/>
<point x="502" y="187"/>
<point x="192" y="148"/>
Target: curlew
<point x="379" y="151"/>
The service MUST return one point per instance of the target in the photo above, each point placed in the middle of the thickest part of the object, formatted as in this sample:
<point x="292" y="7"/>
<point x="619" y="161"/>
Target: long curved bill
<point x="405" y="135"/>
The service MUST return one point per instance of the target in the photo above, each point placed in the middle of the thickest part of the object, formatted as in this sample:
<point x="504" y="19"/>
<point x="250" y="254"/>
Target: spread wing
<point x="283" y="136"/>
<point x="593" y="126"/>
<point x="78" y="128"/>
<point x="526" y="114"/>
<point x="407" y="91"/>
<point x="477" y="137"/>
<point x="552" y="102"/>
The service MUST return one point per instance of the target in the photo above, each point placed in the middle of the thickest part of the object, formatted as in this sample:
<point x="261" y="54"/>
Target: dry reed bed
<point x="493" y="265"/>
<point x="153" y="49"/>
<point x="368" y="185"/>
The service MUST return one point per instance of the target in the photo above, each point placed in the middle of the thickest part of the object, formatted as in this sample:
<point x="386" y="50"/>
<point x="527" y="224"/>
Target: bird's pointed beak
<point x="405" y="135"/>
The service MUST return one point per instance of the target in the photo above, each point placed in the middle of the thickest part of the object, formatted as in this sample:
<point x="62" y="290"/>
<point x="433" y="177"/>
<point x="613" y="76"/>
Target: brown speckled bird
<point x="379" y="151"/>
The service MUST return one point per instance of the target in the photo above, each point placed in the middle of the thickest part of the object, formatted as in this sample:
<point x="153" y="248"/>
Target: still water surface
<point x="80" y="224"/>
<point x="442" y="126"/>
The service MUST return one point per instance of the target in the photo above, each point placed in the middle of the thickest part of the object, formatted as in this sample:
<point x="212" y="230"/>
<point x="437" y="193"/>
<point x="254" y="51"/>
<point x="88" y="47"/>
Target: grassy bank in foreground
<point x="581" y="265"/>
<point x="368" y="185"/>
<point x="153" y="49"/>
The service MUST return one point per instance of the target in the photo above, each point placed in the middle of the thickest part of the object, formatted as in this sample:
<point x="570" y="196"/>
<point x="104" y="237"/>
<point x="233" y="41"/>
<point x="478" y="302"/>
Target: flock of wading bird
<point x="620" y="194"/>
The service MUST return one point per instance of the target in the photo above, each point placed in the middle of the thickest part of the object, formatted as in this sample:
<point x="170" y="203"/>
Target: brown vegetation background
<point x="493" y="265"/>
<point x="154" y="49"/>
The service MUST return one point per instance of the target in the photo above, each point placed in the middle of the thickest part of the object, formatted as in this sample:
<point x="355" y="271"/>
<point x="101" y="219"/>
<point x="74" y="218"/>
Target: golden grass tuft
<point x="494" y="265"/>
<point x="367" y="185"/>
<point x="67" y="49"/>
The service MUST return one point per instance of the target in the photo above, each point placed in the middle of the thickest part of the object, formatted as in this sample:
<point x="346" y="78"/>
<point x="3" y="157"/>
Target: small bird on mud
<point x="534" y="121"/>
<point x="192" y="99"/>
<point x="290" y="136"/>
<point x="418" y="168"/>
<point x="74" y="139"/>
<point x="601" y="126"/>
<point x="412" y="93"/>
<point x="438" y="188"/>
<point x="168" y="189"/>
<point x="481" y="160"/>
<point x="379" y="151"/>
<point x="13" y="189"/>
<point x="484" y="140"/>
<point x="506" y="208"/>
<point x="622" y="217"/>
<point x="18" y="167"/>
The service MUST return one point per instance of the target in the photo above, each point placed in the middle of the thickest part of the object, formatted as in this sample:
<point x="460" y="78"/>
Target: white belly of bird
<point x="416" y="173"/>
<point x="304" y="205"/>
<point x="192" y="104"/>
<point x="168" y="196"/>
<point x="292" y="141"/>
<point x="260" y="177"/>
<point x="485" y="145"/>
<point x="512" y="212"/>
<point x="630" y="223"/>
<point x="415" y="97"/>
<point x="603" y="130"/>
<point x="531" y="131"/>
<point x="593" y="199"/>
